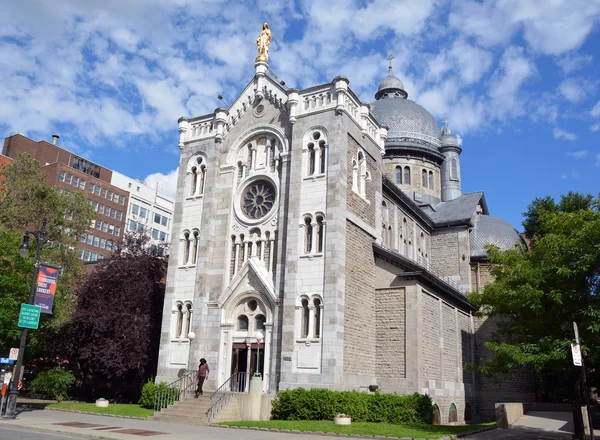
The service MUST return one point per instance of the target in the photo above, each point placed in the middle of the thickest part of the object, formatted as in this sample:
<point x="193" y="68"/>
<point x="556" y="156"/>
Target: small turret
<point x="451" y="180"/>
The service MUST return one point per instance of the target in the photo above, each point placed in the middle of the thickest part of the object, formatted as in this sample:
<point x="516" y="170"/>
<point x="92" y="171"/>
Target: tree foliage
<point x="538" y="294"/>
<point x="25" y="199"/>
<point x="112" y="340"/>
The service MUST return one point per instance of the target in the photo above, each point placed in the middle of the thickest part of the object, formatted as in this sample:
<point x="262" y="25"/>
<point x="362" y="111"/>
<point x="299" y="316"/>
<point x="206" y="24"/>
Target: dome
<point x="390" y="82"/>
<point x="488" y="229"/>
<point x="407" y="120"/>
<point x="447" y="138"/>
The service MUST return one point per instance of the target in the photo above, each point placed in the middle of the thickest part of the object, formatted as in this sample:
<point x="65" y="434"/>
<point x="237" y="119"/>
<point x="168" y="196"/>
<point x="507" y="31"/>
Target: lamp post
<point x="259" y="337"/>
<point x="11" y="406"/>
<point x="191" y="336"/>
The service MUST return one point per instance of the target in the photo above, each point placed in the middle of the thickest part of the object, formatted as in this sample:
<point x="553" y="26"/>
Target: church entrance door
<point x="248" y="359"/>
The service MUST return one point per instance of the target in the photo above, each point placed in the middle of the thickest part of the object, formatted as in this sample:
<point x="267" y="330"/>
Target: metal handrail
<point x="175" y="391"/>
<point x="445" y="278"/>
<point x="238" y="383"/>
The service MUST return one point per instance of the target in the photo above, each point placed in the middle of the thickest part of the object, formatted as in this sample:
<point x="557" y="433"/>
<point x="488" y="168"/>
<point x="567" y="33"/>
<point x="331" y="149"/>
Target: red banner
<point x="46" y="287"/>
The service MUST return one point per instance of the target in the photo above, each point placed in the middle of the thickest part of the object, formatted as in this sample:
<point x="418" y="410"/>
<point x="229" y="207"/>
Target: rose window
<point x="258" y="199"/>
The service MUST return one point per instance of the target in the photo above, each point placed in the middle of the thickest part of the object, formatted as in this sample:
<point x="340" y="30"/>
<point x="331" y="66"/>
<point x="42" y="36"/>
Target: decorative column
<point x="271" y="246"/>
<point x="245" y="250"/>
<point x="341" y="88"/>
<point x="261" y="70"/>
<point x="311" y="321"/>
<point x="236" y="256"/>
<point x="292" y="104"/>
<point x="184" y="124"/>
<point x="364" y="114"/>
<point x="220" y="121"/>
<point x="263" y="243"/>
<point x="313" y="244"/>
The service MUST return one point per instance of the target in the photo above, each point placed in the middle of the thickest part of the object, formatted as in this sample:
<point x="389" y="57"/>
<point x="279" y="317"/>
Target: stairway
<point x="190" y="411"/>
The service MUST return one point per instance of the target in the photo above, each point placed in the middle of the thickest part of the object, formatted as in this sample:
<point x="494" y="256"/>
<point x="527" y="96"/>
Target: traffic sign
<point x="14" y="354"/>
<point x="576" y="351"/>
<point x="6" y="361"/>
<point x="30" y="316"/>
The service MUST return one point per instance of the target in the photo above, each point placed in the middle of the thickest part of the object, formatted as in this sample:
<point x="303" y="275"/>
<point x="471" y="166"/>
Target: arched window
<point x="242" y="323"/>
<point x="405" y="232"/>
<point x="431" y="180"/>
<point x="179" y="320"/>
<point x="194" y="181"/>
<point x="468" y="416"/>
<point x="320" y="234"/>
<point x="187" y="319"/>
<point x="363" y="173"/>
<point x="186" y="248"/>
<point x="424" y="178"/>
<point x="312" y="158"/>
<point x="437" y="417"/>
<point x="259" y="322"/>
<point x="317" y="329"/>
<point x="452" y="414"/>
<point x="354" y="175"/>
<point x="305" y="319"/>
<point x="195" y="240"/>
<point x="202" y="179"/>
<point x="323" y="158"/>
<point x="308" y="234"/>
<point x="399" y="175"/>
<point x="407" y="175"/>
<point x="453" y="169"/>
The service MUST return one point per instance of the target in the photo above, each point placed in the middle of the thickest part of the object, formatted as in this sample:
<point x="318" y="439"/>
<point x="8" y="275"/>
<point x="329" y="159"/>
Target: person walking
<point x="203" y="372"/>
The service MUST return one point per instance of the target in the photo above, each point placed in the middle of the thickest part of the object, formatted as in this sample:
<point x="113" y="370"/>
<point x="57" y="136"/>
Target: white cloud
<point x="561" y="134"/>
<point x="167" y="183"/>
<point x="571" y="174"/>
<point x="572" y="63"/>
<point x="595" y="127"/>
<point x="572" y="90"/>
<point x="596" y="110"/>
<point x="580" y="154"/>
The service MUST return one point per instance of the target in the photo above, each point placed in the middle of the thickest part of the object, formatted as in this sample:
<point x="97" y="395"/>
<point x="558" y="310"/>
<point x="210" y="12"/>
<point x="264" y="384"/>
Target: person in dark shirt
<point x="203" y="372"/>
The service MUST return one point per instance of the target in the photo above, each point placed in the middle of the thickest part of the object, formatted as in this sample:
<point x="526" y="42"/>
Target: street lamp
<point x="11" y="406"/>
<point x="259" y="337"/>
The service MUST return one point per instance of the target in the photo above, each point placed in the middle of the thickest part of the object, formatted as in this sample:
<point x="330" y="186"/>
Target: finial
<point x="445" y="129"/>
<point x="263" y="41"/>
<point x="390" y="58"/>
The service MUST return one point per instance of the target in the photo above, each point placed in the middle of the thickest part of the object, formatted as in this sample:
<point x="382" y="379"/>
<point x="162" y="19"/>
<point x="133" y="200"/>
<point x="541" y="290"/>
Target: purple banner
<point x="46" y="287"/>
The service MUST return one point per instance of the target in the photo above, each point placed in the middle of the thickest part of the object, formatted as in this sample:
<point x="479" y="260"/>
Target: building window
<point x="179" y="320"/>
<point x="75" y="181"/>
<point x="322" y="156"/>
<point x="437" y="417"/>
<point x="407" y="175"/>
<point x="308" y="234"/>
<point x="320" y="234"/>
<point x="452" y="414"/>
<point x="363" y="174"/>
<point x="82" y="184"/>
<point x="135" y="209"/>
<point x="305" y="319"/>
<point x="197" y="177"/>
<point x="194" y="244"/>
<point x="69" y="179"/>
<point x="143" y="212"/>
<point x="453" y="169"/>
<point x="186" y="248"/>
<point x="316" y="154"/>
<point x="242" y="323"/>
<point x="399" y="175"/>
<point x="92" y="187"/>
<point x="431" y="180"/>
<point x="424" y="178"/>
<point x="187" y="320"/>
<point x="312" y="158"/>
<point x="62" y="175"/>
<point x="317" y="329"/>
<point x="98" y="189"/>
<point x="259" y="322"/>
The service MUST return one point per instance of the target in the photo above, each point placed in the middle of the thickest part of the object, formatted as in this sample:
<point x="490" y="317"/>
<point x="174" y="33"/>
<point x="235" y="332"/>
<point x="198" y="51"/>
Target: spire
<point x="445" y="129"/>
<point x="390" y="58"/>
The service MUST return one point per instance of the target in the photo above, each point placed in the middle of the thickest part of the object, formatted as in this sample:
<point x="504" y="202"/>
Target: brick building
<point x="70" y="172"/>
<point x="325" y="242"/>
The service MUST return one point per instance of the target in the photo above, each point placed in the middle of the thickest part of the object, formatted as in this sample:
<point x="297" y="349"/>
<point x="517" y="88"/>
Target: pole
<point x="11" y="406"/>
<point x="583" y="379"/>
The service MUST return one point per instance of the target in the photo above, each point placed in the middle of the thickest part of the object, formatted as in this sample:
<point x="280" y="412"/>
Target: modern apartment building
<point x="70" y="172"/>
<point x="149" y="210"/>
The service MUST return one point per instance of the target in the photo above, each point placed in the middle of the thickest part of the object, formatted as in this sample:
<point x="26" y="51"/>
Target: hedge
<point x="147" y="399"/>
<point x="323" y="404"/>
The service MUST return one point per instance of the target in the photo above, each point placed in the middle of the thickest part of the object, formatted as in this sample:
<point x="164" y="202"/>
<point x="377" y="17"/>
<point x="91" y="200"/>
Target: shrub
<point x="149" y="392"/>
<point x="323" y="404"/>
<point x="54" y="383"/>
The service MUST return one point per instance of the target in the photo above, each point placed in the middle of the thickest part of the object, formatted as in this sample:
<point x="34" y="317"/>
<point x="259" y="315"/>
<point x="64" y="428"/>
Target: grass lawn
<point x="118" y="409"/>
<point x="365" y="428"/>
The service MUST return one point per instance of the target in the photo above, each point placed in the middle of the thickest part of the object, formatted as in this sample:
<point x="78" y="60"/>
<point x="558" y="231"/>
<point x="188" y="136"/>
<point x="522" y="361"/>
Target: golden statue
<point x="263" y="41"/>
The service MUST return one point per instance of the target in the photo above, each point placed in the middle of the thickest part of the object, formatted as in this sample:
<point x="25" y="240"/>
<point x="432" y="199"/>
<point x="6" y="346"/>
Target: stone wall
<point x="391" y="333"/>
<point x="431" y="338"/>
<point x="363" y="208"/>
<point x="360" y="308"/>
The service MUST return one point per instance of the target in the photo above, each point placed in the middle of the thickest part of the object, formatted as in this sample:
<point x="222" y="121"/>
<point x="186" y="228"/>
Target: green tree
<point x="25" y="199"/>
<point x="536" y="295"/>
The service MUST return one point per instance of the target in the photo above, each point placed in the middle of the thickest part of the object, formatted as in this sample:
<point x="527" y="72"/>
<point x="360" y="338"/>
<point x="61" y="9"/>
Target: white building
<point x="149" y="210"/>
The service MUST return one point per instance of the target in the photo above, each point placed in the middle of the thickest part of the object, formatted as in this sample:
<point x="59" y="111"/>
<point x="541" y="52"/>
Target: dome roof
<point x="406" y="119"/>
<point x="447" y="138"/>
<point x="390" y="82"/>
<point x="488" y="229"/>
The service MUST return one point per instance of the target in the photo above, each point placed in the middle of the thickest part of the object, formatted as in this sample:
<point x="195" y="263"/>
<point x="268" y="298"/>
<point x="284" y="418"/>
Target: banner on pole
<point x="46" y="287"/>
<point x="576" y="351"/>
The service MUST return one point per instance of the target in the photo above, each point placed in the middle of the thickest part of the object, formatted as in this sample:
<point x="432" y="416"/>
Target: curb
<point x="333" y="434"/>
<point x="84" y="412"/>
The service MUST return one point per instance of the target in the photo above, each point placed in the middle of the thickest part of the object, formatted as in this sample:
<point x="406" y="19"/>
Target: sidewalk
<point x="106" y="427"/>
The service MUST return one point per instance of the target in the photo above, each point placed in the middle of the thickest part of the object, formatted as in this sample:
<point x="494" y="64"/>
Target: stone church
<point x="321" y="241"/>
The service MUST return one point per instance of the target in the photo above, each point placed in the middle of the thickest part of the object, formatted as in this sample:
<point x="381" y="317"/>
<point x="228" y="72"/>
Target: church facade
<point x="324" y="242"/>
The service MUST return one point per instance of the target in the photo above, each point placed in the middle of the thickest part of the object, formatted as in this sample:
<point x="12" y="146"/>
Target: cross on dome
<point x="390" y="58"/>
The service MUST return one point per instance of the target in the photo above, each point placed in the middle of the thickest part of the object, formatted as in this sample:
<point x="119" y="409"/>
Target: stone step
<point x="181" y="420"/>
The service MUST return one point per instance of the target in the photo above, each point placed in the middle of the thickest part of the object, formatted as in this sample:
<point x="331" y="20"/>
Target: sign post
<point x="578" y="361"/>
<point x="14" y="354"/>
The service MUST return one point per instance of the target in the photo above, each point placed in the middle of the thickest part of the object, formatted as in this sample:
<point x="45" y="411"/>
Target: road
<point x="22" y="434"/>
<point x="520" y="434"/>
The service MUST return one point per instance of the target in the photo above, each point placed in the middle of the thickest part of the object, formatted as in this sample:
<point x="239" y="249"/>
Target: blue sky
<point x="518" y="79"/>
